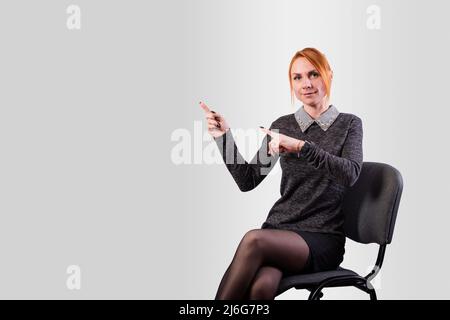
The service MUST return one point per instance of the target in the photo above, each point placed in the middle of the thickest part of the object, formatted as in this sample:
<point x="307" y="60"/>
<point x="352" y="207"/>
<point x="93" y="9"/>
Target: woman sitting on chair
<point x="321" y="156"/>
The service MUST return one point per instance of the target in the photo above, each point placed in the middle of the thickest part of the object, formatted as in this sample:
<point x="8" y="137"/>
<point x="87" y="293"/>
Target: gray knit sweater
<point x="313" y="181"/>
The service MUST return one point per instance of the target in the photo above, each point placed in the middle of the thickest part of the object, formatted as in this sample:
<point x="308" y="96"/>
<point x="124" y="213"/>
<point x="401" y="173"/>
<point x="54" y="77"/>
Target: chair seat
<point x="310" y="280"/>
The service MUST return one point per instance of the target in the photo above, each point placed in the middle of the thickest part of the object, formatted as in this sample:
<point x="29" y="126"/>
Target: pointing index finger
<point x="267" y="131"/>
<point x="204" y="107"/>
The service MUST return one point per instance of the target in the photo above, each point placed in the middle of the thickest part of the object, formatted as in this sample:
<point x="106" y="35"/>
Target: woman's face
<point x="307" y="83"/>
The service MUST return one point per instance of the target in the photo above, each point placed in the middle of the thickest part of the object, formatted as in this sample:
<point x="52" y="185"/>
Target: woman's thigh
<point x="283" y="249"/>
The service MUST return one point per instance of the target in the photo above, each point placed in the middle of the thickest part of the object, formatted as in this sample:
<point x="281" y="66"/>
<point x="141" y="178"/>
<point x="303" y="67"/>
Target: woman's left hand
<point x="281" y="143"/>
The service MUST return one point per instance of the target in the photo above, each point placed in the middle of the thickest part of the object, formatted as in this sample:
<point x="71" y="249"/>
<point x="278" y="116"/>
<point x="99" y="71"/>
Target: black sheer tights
<point x="263" y="255"/>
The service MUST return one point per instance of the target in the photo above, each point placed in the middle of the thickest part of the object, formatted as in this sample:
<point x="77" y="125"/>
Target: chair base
<point x="344" y="281"/>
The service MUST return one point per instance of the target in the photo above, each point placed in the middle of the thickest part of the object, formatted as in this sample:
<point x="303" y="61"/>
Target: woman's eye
<point x="312" y="75"/>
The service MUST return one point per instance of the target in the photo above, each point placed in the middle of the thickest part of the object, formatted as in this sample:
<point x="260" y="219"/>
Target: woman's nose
<point x="306" y="84"/>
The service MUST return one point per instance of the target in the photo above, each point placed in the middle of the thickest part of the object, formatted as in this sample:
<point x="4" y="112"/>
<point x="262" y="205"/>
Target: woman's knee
<point x="252" y="240"/>
<point x="262" y="290"/>
<point x="265" y="285"/>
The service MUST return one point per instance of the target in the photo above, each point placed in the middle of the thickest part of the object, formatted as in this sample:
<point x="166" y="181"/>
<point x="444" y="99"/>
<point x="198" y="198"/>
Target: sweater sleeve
<point x="345" y="169"/>
<point x="246" y="175"/>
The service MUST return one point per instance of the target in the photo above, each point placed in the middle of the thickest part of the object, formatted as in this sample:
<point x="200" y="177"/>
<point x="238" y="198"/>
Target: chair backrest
<point x="370" y="205"/>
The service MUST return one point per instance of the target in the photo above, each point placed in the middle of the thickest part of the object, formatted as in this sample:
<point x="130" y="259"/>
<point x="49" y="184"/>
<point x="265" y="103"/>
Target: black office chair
<point x="370" y="208"/>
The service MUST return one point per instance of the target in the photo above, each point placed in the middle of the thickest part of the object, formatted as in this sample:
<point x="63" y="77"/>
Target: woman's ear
<point x="331" y="74"/>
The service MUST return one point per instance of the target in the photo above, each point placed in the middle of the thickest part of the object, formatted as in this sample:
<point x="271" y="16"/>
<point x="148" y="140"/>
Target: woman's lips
<point x="309" y="94"/>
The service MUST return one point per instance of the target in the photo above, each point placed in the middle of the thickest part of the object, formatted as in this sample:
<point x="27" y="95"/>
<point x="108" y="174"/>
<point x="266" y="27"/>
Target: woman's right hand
<point x="217" y="125"/>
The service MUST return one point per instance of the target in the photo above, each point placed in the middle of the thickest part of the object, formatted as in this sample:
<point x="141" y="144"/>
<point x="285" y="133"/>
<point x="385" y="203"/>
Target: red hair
<point x="319" y="61"/>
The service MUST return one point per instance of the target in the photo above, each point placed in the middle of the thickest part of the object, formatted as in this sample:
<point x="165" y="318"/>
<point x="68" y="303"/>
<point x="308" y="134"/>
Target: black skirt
<point x="326" y="250"/>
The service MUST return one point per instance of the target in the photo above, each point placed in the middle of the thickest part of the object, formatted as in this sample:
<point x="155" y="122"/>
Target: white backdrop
<point x="95" y="99"/>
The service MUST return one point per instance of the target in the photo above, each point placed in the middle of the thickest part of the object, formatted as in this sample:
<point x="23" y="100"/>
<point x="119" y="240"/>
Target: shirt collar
<point x="324" y="121"/>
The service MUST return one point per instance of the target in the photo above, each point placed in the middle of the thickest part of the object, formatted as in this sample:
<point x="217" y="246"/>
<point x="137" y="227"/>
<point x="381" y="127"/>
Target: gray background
<point x="86" y="118"/>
